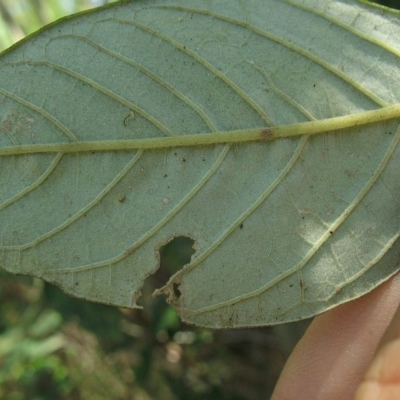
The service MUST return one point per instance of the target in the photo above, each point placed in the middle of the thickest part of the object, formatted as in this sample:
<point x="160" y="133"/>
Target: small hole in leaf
<point x="177" y="292"/>
<point x="174" y="255"/>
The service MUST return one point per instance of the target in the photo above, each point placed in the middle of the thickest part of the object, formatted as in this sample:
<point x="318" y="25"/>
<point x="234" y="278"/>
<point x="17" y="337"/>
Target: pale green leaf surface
<point x="284" y="229"/>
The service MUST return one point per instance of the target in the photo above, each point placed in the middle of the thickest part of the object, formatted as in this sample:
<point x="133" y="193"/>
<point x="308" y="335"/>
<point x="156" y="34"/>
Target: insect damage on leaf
<point x="173" y="256"/>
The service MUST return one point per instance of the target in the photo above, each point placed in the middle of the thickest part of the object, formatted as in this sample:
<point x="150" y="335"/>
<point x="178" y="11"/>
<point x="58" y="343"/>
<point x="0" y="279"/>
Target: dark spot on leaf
<point x="291" y="285"/>
<point x="267" y="134"/>
<point x="121" y="198"/>
<point x="350" y="173"/>
<point x="184" y="159"/>
<point x="165" y="175"/>
<point x="241" y="226"/>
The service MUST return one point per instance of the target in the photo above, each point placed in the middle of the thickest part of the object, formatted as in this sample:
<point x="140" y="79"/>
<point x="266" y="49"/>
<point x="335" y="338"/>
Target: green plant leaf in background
<point x="124" y="128"/>
<point x="20" y="18"/>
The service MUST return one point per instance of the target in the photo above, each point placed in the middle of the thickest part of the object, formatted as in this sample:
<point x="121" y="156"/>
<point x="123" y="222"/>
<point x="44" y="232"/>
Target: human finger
<point x="382" y="380"/>
<point x="330" y="360"/>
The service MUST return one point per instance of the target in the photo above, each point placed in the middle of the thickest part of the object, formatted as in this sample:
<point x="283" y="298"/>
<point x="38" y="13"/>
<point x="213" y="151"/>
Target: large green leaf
<point x="126" y="127"/>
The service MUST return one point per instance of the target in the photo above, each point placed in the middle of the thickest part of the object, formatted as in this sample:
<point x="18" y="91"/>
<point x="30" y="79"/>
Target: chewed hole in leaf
<point x="174" y="255"/>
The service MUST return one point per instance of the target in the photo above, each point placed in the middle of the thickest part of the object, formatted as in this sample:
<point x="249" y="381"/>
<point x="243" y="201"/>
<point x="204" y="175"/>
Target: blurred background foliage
<point x="19" y="18"/>
<point x="55" y="347"/>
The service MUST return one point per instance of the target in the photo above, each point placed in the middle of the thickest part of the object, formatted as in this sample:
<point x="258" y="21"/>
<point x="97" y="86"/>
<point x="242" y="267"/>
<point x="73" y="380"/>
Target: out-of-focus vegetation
<point x="19" y="18"/>
<point x="388" y="3"/>
<point x="55" y="347"/>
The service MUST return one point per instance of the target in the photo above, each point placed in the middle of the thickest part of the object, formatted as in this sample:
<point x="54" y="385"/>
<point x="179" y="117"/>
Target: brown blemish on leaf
<point x="130" y="250"/>
<point x="267" y="134"/>
<point x="17" y="123"/>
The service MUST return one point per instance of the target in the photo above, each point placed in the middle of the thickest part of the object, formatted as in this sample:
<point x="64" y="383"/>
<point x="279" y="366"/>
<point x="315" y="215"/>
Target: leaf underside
<point x="283" y="229"/>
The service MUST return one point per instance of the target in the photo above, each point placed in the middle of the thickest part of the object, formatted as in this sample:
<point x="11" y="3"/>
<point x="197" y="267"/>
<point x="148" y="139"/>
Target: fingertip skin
<point x="368" y="390"/>
<point x="333" y="356"/>
<point x="382" y="380"/>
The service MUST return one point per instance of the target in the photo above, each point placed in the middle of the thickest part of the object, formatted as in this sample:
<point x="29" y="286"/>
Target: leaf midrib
<point x="247" y="135"/>
<point x="331" y="229"/>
